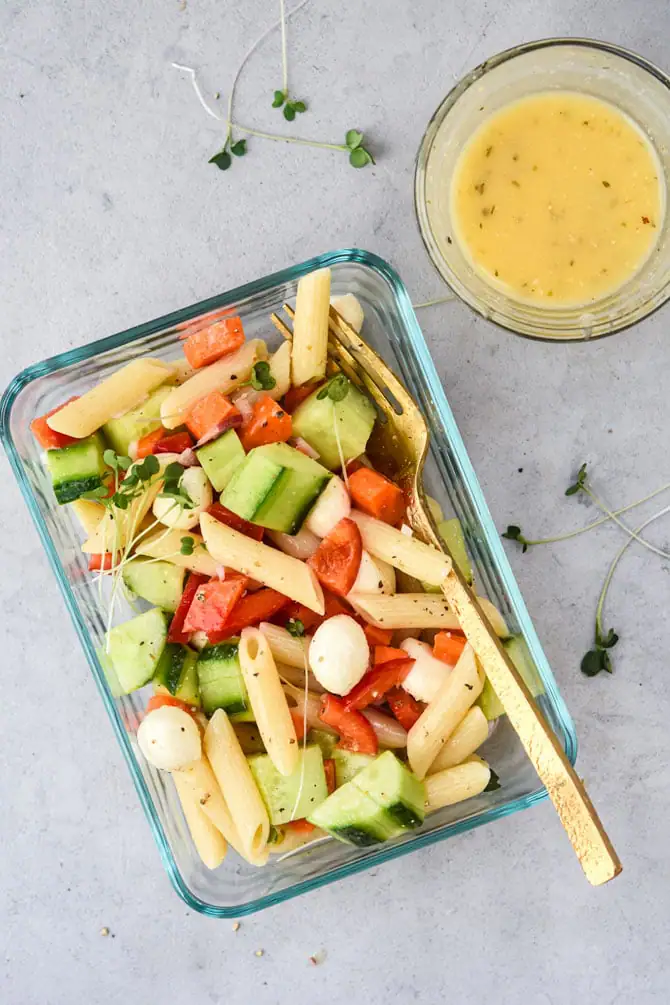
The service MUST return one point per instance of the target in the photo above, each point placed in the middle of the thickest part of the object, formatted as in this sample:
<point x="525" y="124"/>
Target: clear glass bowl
<point x="392" y="329"/>
<point x="597" y="68"/>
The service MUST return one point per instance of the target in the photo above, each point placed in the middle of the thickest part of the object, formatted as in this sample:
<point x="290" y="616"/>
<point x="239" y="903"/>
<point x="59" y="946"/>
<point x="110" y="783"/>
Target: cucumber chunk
<point x="316" y="420"/>
<point x="383" y="800"/>
<point x="221" y="458"/>
<point x="77" y="469"/>
<point x="351" y="816"/>
<point x="395" y="787"/>
<point x="177" y="673"/>
<point x="348" y="764"/>
<point x="451" y="532"/>
<point x="135" y="647"/>
<point x="275" y="487"/>
<point x="161" y="583"/>
<point x="138" y="422"/>
<point x="516" y="647"/>
<point x="220" y="679"/>
<point x="294" y="796"/>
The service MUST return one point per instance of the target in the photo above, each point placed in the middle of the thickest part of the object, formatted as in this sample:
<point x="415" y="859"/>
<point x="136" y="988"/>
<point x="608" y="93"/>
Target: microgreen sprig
<point x="186" y="546"/>
<point x="359" y="155"/>
<point x="336" y="389"/>
<point x="173" y="488"/>
<point x="290" y="107"/>
<point x="295" y="627"/>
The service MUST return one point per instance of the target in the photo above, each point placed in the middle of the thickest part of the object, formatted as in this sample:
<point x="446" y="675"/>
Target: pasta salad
<point x="308" y="678"/>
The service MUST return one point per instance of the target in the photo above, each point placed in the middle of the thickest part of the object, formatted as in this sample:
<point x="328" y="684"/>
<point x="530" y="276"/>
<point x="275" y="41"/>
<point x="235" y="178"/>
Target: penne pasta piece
<point x="309" y="348"/>
<point x="453" y="785"/>
<point x="266" y="565"/>
<point x="349" y="307"/>
<point x="280" y="370"/>
<point x="442" y="715"/>
<point x="224" y="375"/>
<point x="495" y="617"/>
<point x="285" y="647"/>
<point x="209" y="842"/>
<point x="296" y="675"/>
<point x="268" y="701"/>
<point x="200" y="778"/>
<point x="166" y="544"/>
<point x="113" y="396"/>
<point x="89" y="513"/>
<point x="237" y="785"/>
<point x="408" y="554"/>
<point x="411" y="611"/>
<point x="465" y="739"/>
<point x="181" y="370"/>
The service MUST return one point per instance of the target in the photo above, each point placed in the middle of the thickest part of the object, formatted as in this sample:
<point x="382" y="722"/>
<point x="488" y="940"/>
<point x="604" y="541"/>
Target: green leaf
<point x="323" y="393"/>
<point x="607" y="641"/>
<point x="295" y="627"/>
<point x="109" y="457"/>
<point x="98" y="493"/>
<point x="121" y="501"/>
<point x="353" y="139"/>
<point x="186" y="546"/>
<point x="579" y="483"/>
<point x="300" y="106"/>
<point x="279" y="99"/>
<point x="289" y="112"/>
<point x="124" y="462"/>
<point x="239" y="148"/>
<point x="149" y="467"/>
<point x="338" y="388"/>
<point x="223" y="160"/>
<point x="261" y="377"/>
<point x="513" y="533"/>
<point x="359" y="157"/>
<point x="594" y="661"/>
<point x="493" y="782"/>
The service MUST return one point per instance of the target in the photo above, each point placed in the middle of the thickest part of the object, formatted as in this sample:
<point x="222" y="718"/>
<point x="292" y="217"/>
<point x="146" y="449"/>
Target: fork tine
<point x="337" y="357"/>
<point x="283" y="329"/>
<point x="375" y="370"/>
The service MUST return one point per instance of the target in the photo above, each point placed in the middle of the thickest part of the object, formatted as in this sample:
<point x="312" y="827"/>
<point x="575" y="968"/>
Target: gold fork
<point x="399" y="448"/>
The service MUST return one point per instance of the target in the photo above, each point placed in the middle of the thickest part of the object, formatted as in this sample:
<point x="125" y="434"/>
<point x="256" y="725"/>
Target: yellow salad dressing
<point x="557" y="199"/>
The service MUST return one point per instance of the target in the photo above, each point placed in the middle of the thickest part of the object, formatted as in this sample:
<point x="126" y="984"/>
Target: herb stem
<point x="634" y="535"/>
<point x="603" y="519"/>
<point x="433" y="303"/>
<point x="288" y="139"/>
<point x="617" y="558"/>
<point x="284" y="57"/>
<point x="196" y="87"/>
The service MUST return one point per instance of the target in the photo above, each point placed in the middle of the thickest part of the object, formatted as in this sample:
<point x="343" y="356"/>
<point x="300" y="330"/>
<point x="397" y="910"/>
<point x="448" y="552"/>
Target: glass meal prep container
<point x="237" y="888"/>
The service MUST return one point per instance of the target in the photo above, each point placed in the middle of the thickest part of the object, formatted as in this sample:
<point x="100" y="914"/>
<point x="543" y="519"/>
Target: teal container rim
<point x="415" y="335"/>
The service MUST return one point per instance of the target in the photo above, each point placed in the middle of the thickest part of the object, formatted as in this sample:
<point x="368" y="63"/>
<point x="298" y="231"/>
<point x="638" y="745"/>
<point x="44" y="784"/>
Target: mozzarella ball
<point x="339" y="654"/>
<point x="169" y="738"/>
<point x="332" y="506"/>
<point x="428" y="673"/>
<point x="374" y="576"/>
<point x="195" y="482"/>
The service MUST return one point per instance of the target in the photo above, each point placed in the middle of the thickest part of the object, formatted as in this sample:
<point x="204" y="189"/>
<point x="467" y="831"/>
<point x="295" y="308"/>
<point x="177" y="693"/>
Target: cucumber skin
<point x="67" y="492"/>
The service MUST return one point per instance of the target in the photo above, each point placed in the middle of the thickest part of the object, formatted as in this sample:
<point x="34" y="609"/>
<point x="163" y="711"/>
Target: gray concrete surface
<point x="110" y="215"/>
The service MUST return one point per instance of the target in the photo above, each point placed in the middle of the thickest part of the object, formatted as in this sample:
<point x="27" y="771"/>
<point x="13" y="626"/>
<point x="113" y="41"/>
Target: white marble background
<point x="109" y="216"/>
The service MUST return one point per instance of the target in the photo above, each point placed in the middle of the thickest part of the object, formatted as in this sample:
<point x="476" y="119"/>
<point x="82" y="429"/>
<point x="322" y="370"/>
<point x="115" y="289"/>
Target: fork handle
<point x="577" y="814"/>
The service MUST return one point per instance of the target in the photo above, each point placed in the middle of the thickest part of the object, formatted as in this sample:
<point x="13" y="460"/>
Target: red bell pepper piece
<point x="250" y="610"/>
<point x="382" y="654"/>
<point x="310" y="619"/>
<point x="378" y="636"/>
<point x="225" y="515"/>
<point x="147" y="444"/>
<point x="174" y="443"/>
<point x="296" y="395"/>
<point x="48" y="437"/>
<point x="355" y="731"/>
<point x="213" y="603"/>
<point x="302" y="826"/>
<point x="377" y="681"/>
<point x="337" y="559"/>
<point x="405" y="708"/>
<point x="176" y="631"/>
<point x="329" y="771"/>
<point x="97" y="563"/>
<point x="159" y="700"/>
